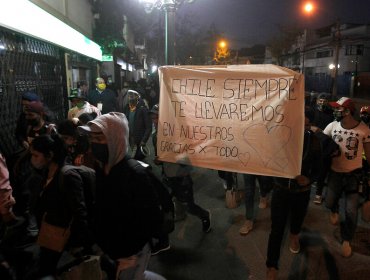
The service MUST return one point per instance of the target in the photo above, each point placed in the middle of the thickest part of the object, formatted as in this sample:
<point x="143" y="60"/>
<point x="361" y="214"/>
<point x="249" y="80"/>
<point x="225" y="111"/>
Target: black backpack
<point x="164" y="218"/>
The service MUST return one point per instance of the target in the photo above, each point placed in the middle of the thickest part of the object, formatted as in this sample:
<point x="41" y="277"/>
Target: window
<point x="326" y="53"/>
<point x="354" y="49"/>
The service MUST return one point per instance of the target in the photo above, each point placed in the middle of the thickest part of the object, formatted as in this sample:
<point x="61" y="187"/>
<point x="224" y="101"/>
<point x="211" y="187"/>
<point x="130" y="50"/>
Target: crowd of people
<point x="72" y="188"/>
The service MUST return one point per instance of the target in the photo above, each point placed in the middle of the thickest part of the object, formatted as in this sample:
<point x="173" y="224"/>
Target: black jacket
<point x="142" y="122"/>
<point x="107" y="98"/>
<point x="124" y="199"/>
<point x="62" y="201"/>
<point x="311" y="148"/>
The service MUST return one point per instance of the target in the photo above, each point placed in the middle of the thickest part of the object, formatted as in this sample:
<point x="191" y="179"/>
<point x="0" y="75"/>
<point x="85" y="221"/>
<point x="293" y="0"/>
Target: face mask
<point x="365" y="118"/>
<point x="338" y="115"/>
<point x="102" y="87"/>
<point x="38" y="166"/>
<point x="132" y="101"/>
<point x="100" y="151"/>
<point x="71" y="148"/>
<point x="321" y="107"/>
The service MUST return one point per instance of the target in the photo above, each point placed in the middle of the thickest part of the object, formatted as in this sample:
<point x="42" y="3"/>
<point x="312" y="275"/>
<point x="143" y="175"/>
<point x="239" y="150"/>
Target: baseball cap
<point x="30" y="96"/>
<point x="90" y="127"/>
<point x="344" y="102"/>
<point x="35" y="107"/>
<point x="133" y="93"/>
<point x="76" y="93"/>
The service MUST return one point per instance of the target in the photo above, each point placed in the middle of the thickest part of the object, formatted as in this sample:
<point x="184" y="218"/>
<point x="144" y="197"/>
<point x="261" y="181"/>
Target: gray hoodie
<point x="114" y="126"/>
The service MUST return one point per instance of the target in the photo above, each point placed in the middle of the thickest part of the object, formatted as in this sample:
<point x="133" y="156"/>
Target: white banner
<point x="239" y="118"/>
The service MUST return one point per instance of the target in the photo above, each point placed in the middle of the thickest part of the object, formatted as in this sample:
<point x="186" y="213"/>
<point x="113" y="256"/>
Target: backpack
<point x="164" y="219"/>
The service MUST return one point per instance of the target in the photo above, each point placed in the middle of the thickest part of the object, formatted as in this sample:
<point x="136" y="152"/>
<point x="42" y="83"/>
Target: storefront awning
<point x="27" y="18"/>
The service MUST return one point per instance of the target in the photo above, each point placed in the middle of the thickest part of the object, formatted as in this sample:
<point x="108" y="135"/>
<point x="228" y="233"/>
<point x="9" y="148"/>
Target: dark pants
<point x="228" y="177"/>
<point x="323" y="173"/>
<point x="182" y="189"/>
<point x="347" y="183"/>
<point x="285" y="203"/>
<point x="48" y="262"/>
<point x="265" y="184"/>
<point x="138" y="154"/>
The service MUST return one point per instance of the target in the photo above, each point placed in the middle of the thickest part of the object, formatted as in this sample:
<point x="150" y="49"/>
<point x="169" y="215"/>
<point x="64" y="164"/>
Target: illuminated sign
<point x="107" y="57"/>
<point x="27" y="18"/>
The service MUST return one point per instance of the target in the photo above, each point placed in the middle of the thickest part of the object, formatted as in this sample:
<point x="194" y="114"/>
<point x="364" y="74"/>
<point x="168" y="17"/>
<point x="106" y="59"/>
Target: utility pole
<point x="337" y="39"/>
<point x="170" y="43"/>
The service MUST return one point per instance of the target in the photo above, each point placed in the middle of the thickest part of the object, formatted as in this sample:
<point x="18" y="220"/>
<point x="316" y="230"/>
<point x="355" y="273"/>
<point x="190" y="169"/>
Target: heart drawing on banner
<point x="267" y="142"/>
<point x="244" y="158"/>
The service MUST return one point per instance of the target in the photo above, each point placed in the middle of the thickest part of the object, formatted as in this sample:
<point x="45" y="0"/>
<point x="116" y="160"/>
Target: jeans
<point x="265" y="184"/>
<point x="285" y="203"/>
<point x="347" y="183"/>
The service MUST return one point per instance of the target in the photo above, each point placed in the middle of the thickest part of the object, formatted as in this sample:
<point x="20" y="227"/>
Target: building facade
<point x="315" y="53"/>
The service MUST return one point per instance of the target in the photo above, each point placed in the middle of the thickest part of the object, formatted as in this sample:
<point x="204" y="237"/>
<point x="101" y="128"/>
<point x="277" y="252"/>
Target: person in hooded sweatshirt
<point x="139" y="123"/>
<point x="124" y="198"/>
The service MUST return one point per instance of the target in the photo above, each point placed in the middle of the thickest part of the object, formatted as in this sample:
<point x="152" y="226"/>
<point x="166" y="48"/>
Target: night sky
<point x="248" y="22"/>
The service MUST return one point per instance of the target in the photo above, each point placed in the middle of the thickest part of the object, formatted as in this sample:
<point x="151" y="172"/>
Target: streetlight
<point x="222" y="44"/>
<point x="222" y="52"/>
<point x="169" y="6"/>
<point x="337" y="39"/>
<point x="308" y="8"/>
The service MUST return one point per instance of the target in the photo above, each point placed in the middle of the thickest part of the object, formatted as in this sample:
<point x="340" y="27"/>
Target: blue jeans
<point x="347" y="184"/>
<point x="250" y="181"/>
<point x="284" y="204"/>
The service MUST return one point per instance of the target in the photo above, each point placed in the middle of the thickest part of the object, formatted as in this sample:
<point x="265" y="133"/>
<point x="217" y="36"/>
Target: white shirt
<point x="351" y="143"/>
<point x="75" y="112"/>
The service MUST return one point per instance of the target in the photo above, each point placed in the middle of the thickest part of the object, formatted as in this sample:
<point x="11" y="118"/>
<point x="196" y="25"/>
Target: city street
<point x="225" y="254"/>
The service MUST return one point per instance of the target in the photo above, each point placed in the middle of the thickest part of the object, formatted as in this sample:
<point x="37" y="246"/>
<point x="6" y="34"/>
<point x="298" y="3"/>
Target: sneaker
<point x="346" y="249"/>
<point x="318" y="199"/>
<point x="271" y="273"/>
<point x="334" y="218"/>
<point x="206" y="223"/>
<point x="294" y="245"/>
<point x="263" y="203"/>
<point x="246" y="228"/>
<point x="160" y="247"/>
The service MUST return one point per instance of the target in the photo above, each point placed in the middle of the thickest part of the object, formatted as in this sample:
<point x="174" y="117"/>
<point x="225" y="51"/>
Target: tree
<point x="281" y="45"/>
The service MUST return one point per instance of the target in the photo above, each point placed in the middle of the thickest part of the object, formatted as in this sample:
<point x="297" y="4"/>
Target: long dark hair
<point x="47" y="144"/>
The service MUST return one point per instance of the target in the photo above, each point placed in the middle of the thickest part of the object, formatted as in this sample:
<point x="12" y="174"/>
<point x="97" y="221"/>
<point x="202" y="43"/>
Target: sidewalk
<point x="225" y="254"/>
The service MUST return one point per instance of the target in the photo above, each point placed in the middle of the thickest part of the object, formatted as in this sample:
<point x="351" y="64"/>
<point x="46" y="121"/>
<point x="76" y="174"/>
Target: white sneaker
<point x="318" y="199"/>
<point x="294" y="245"/>
<point x="246" y="228"/>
